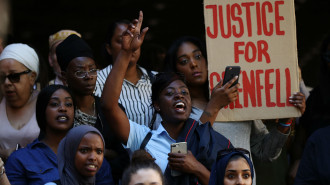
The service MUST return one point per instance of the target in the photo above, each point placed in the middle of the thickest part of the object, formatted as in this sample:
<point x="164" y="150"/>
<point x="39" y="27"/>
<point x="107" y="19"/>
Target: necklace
<point x="82" y="118"/>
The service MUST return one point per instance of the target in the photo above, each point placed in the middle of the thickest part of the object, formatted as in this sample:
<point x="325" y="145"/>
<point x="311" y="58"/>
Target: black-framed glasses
<point x="14" y="77"/>
<point x="224" y="152"/>
<point x="82" y="74"/>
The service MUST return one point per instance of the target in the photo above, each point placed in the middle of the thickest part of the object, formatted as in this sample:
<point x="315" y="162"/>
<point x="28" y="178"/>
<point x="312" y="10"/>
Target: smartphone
<point x="230" y="73"/>
<point x="178" y="148"/>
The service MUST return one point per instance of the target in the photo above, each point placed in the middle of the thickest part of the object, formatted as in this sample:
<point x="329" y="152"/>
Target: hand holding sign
<point x="298" y="100"/>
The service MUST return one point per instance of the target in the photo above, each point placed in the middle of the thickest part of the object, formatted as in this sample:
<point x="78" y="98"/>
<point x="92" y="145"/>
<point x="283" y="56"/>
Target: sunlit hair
<point x="42" y="103"/>
<point x="141" y="160"/>
<point x="162" y="81"/>
<point x="171" y="55"/>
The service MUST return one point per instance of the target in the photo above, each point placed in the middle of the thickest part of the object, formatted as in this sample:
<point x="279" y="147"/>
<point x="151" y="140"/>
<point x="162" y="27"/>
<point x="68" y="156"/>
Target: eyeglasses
<point x="83" y="74"/>
<point x="224" y="152"/>
<point x="14" y="77"/>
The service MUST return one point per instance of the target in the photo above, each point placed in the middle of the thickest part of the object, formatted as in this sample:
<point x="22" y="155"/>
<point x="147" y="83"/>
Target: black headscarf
<point x="72" y="47"/>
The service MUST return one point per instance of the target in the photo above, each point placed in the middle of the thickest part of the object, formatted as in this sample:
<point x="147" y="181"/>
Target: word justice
<point x="240" y="21"/>
<point x="253" y="89"/>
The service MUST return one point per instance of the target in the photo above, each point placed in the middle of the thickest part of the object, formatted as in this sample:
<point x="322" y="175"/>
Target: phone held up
<point x="178" y="148"/>
<point x="230" y="73"/>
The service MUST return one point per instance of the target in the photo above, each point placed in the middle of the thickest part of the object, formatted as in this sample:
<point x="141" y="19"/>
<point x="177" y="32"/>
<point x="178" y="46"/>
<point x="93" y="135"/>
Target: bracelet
<point x="287" y="124"/>
<point x="3" y="170"/>
<point x="2" y="167"/>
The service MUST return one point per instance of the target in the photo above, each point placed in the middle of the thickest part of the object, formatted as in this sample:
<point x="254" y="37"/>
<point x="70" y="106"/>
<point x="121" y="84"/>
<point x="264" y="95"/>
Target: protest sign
<point x="260" y="37"/>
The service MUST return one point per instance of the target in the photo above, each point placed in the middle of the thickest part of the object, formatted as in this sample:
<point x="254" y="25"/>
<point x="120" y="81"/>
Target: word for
<point x="251" y="51"/>
<point x="253" y="89"/>
<point x="238" y="23"/>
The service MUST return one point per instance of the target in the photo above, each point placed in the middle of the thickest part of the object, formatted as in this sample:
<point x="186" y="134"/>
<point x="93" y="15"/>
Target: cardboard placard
<point x="259" y="36"/>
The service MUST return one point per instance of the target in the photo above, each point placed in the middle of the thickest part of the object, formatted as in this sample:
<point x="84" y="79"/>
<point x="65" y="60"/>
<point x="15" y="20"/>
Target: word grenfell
<point x="260" y="83"/>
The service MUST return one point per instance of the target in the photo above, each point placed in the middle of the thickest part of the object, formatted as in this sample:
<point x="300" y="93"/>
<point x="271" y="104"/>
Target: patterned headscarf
<point x="60" y="36"/>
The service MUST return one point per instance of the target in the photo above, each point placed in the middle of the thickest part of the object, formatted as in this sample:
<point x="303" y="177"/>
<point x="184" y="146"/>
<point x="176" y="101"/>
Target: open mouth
<point x="180" y="107"/>
<point x="62" y="118"/>
<point x="91" y="167"/>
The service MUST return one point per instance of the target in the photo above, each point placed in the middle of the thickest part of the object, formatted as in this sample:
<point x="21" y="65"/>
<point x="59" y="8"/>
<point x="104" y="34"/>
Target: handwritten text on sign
<point x="258" y="36"/>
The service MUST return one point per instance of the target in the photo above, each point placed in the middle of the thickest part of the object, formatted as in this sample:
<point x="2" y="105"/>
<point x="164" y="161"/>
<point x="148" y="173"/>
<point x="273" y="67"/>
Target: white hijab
<point x="23" y="54"/>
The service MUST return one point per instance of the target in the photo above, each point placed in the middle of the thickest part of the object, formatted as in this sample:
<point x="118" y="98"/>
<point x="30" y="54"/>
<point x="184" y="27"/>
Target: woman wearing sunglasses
<point x="233" y="166"/>
<point x="19" y="68"/>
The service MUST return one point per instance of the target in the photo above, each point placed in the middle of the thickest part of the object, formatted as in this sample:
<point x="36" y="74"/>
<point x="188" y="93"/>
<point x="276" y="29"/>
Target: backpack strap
<point x="145" y="141"/>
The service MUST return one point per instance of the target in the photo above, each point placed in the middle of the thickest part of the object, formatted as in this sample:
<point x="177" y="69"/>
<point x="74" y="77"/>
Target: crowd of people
<point x="117" y="125"/>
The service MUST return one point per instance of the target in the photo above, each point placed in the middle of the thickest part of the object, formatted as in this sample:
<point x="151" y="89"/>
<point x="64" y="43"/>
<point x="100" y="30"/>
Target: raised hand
<point x="133" y="37"/>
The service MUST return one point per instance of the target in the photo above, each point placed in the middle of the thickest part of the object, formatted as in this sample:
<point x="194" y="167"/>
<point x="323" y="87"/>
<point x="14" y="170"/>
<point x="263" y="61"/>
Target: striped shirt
<point x="136" y="99"/>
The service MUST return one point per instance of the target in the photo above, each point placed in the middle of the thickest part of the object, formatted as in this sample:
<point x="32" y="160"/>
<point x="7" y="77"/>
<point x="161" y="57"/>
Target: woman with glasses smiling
<point x="19" y="69"/>
<point x="79" y="72"/>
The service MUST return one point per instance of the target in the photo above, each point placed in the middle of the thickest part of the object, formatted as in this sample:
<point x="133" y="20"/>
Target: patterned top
<point x="81" y="118"/>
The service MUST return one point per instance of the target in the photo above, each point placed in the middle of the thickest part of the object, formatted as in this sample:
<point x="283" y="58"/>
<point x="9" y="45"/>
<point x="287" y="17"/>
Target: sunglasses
<point x="224" y="152"/>
<point x="14" y="77"/>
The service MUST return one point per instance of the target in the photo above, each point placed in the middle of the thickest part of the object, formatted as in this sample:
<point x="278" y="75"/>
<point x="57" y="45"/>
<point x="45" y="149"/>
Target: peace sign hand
<point x="133" y="37"/>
